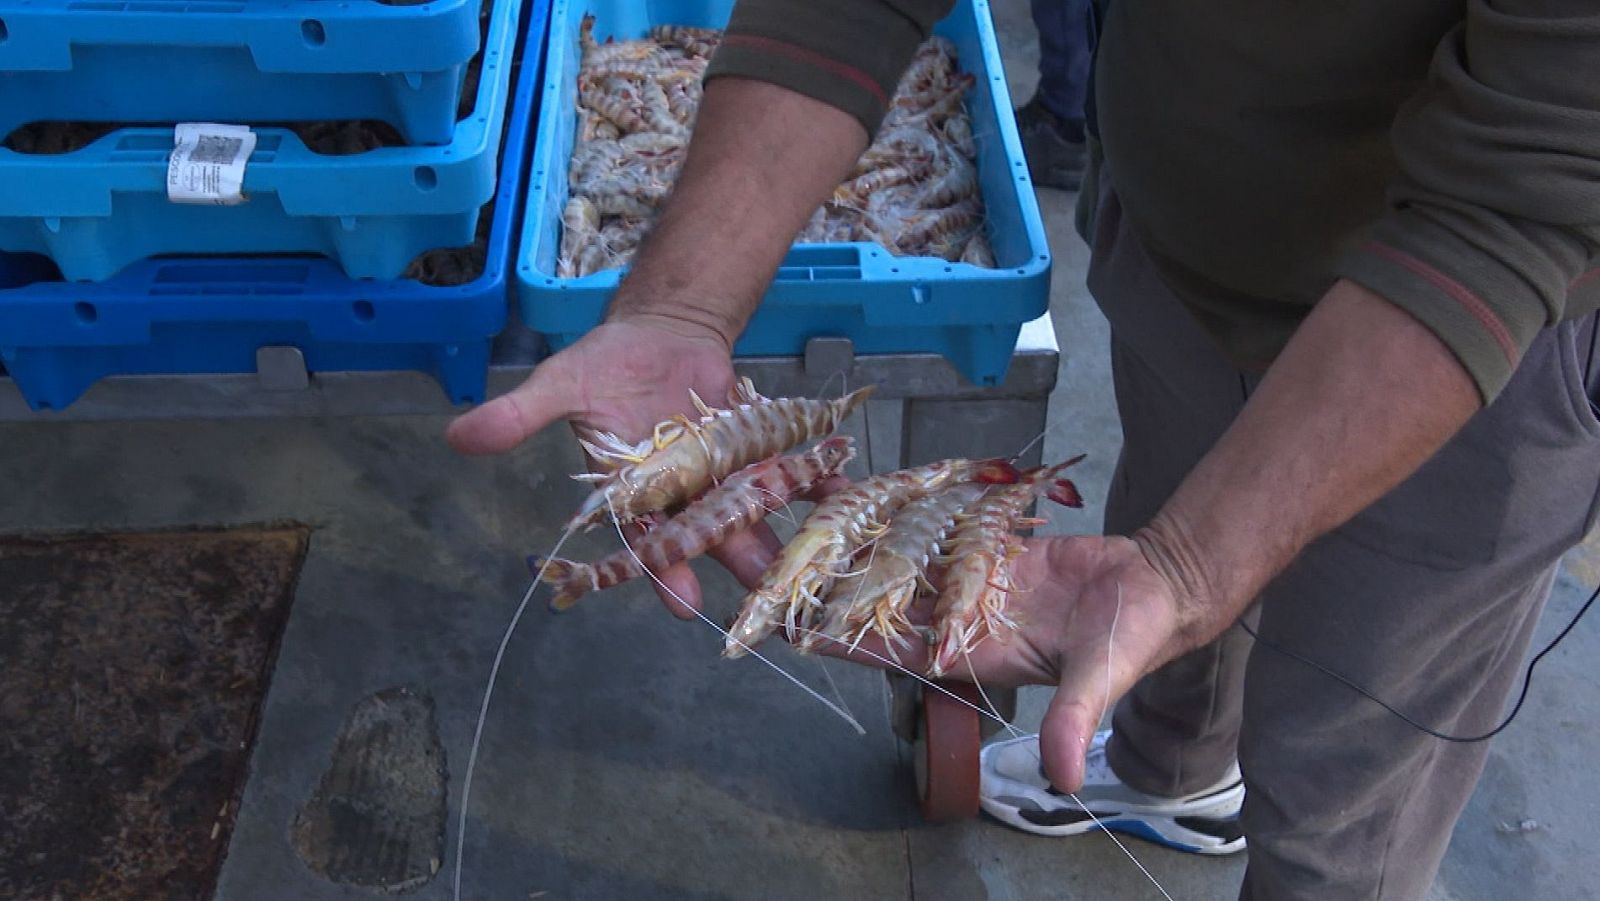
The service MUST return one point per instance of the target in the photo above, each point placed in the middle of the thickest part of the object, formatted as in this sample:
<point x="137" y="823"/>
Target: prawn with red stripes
<point x="738" y="503"/>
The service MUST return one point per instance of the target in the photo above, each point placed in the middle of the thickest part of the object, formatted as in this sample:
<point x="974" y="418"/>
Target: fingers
<point x="747" y="554"/>
<point x="1064" y="736"/>
<point x="679" y="590"/>
<point x="913" y="654"/>
<point x="508" y="420"/>
<point x="677" y="586"/>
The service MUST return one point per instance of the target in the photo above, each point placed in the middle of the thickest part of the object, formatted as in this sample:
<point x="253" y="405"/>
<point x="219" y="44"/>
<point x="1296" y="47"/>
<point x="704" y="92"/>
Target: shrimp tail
<point x="572" y="580"/>
<point x="1065" y="493"/>
<point x="852" y="401"/>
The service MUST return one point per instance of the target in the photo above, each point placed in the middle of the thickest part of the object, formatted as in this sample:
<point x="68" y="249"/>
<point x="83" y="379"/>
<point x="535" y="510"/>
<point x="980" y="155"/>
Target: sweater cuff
<point x="804" y="72"/>
<point x="1485" y="312"/>
<point x="848" y="54"/>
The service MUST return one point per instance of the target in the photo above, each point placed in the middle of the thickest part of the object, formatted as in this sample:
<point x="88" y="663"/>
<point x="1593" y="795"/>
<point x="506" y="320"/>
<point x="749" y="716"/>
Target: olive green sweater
<point x="1443" y="154"/>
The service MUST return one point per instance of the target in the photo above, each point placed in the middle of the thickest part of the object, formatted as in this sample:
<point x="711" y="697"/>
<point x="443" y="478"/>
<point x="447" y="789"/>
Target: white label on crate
<point x="207" y="163"/>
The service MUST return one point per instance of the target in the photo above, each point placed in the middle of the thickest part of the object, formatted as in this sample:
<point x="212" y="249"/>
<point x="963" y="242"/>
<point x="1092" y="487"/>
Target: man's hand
<point x="1360" y="398"/>
<point x="1072" y="591"/>
<point x="624" y="377"/>
<point x="761" y="160"/>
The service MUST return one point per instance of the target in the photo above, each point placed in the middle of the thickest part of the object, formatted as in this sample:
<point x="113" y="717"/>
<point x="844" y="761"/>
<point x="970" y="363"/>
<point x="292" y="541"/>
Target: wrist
<point x="682" y="320"/>
<point x="1169" y="547"/>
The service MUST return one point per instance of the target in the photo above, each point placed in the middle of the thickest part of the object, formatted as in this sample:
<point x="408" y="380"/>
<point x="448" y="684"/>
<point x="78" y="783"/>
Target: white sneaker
<point x="1015" y="792"/>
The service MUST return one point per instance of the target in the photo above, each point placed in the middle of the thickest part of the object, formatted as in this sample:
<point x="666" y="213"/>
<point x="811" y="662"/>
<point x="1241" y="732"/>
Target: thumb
<point x="508" y="420"/>
<point x="1068" y="729"/>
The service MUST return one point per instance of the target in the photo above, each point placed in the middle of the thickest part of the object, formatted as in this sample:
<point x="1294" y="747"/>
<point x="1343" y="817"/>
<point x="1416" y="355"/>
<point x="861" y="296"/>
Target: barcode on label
<point x="215" y="149"/>
<point x="207" y="163"/>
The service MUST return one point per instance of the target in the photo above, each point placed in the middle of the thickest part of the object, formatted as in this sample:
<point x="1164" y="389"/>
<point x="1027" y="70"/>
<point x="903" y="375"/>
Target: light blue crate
<point x="191" y="315"/>
<point x="96" y="210"/>
<point x="236" y="61"/>
<point x="883" y="303"/>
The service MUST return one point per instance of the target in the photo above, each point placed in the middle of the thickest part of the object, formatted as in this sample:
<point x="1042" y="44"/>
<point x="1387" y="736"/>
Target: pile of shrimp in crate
<point x="942" y="533"/>
<point x="914" y="191"/>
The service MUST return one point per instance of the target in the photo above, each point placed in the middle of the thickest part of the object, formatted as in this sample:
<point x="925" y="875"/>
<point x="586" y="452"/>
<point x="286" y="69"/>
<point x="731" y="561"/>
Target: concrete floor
<point x="622" y="758"/>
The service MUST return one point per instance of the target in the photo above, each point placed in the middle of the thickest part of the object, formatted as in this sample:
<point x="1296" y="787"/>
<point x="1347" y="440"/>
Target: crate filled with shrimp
<point x="99" y="190"/>
<point x="217" y="314"/>
<point x="933" y="244"/>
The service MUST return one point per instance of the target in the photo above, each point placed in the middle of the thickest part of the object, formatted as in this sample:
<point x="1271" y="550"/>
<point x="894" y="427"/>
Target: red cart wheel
<point x="946" y="754"/>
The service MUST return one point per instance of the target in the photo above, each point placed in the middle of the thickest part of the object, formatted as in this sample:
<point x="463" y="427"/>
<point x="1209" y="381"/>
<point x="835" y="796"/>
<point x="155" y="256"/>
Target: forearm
<point x="1361" y="397"/>
<point x="762" y="159"/>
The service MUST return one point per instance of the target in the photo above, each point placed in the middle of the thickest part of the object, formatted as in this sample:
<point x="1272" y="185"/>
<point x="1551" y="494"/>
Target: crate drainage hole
<point x="364" y="311"/>
<point x="426" y="178"/>
<point x="85" y="311"/>
<point x="313" y="32"/>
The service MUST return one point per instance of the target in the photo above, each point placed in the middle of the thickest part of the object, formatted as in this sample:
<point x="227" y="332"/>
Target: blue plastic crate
<point x="211" y="315"/>
<point x="236" y="61"/>
<point x="98" y="209"/>
<point x="884" y="303"/>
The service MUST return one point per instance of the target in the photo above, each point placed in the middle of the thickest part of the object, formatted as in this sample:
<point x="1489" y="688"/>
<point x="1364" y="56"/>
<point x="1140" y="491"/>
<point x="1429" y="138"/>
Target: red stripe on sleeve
<point x="1459" y="292"/>
<point x="810" y="58"/>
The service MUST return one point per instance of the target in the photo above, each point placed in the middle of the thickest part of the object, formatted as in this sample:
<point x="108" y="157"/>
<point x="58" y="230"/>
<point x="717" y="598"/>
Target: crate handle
<point x="821" y="262"/>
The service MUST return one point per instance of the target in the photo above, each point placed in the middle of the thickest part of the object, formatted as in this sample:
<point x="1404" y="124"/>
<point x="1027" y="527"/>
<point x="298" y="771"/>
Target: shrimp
<point x="618" y="101"/>
<point x="683" y="101"/>
<point x="622" y="235"/>
<point x="738" y="503"/>
<point x="684" y="457"/>
<point x="628" y="196"/>
<point x="958" y="182"/>
<point x="641" y="69"/>
<point x="942" y="225"/>
<point x="580" y="223"/>
<point x="596" y="54"/>
<point x="651" y="144"/>
<point x="914" y="191"/>
<point x="980" y="550"/>
<point x="591" y="162"/>
<point x="933" y="65"/>
<point x="877" y="598"/>
<point x="958" y="131"/>
<point x="978" y="252"/>
<point x="853" y="194"/>
<point x="700" y="42"/>
<point x="792" y="587"/>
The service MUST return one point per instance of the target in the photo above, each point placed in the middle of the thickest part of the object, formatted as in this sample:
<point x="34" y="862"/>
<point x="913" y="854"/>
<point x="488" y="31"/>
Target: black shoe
<point x="1053" y="146"/>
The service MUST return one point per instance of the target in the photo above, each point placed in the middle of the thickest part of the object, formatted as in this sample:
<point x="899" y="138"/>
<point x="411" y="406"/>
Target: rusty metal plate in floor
<point x="132" y="668"/>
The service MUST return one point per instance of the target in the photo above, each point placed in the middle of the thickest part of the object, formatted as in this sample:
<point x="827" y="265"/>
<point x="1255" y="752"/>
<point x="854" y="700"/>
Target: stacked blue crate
<point x="194" y="60"/>
<point x="99" y="208"/>
<point x="883" y="303"/>
<point x="211" y="314"/>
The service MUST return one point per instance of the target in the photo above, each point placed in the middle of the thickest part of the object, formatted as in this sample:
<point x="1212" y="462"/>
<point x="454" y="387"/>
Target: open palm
<point x="1093" y="617"/>
<point x="622" y="377"/>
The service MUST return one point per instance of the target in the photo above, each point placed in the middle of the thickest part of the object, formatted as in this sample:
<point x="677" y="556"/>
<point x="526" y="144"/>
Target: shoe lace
<point x="1097" y="770"/>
